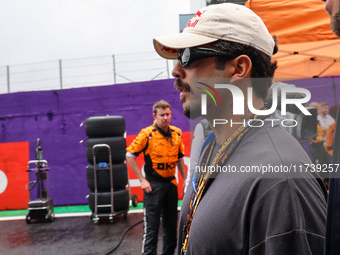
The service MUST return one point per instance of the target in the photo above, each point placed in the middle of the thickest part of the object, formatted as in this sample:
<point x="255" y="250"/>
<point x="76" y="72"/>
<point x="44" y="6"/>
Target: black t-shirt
<point x="251" y="213"/>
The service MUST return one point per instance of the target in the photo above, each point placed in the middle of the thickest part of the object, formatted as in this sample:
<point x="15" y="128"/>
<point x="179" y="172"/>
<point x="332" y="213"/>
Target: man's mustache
<point x="182" y="86"/>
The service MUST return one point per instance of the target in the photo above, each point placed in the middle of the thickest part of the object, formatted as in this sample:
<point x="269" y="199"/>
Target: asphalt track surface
<point x="72" y="236"/>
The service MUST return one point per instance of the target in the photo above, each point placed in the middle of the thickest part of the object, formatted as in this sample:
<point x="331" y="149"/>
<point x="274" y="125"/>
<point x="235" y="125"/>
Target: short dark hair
<point x="263" y="67"/>
<point x="160" y="104"/>
<point x="333" y="111"/>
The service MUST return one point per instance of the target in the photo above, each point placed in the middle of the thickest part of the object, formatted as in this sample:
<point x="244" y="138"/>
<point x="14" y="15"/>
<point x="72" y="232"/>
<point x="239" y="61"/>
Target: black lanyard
<point x="204" y="178"/>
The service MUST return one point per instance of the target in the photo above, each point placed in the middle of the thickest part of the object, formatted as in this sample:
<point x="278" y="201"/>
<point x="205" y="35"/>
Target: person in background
<point x="315" y="105"/>
<point x="316" y="147"/>
<point x="163" y="149"/>
<point x="238" y="212"/>
<point x="324" y="118"/>
<point x="331" y="130"/>
<point x="201" y="132"/>
<point x="332" y="241"/>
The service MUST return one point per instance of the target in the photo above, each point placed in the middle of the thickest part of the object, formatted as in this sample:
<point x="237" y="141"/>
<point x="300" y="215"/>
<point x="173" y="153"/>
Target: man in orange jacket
<point x="163" y="149"/>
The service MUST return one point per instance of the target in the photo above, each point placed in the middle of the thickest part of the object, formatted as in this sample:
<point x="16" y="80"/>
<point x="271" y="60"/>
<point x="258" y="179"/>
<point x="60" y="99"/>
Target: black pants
<point x="162" y="201"/>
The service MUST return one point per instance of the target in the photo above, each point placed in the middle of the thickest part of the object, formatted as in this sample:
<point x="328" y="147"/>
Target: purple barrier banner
<point x="55" y="117"/>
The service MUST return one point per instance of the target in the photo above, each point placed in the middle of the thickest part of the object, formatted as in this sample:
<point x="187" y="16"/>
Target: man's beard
<point x="189" y="110"/>
<point x="183" y="86"/>
<point x="335" y="23"/>
<point x="186" y="112"/>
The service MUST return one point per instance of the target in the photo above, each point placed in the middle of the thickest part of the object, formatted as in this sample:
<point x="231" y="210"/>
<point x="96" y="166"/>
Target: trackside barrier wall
<point x="55" y="117"/>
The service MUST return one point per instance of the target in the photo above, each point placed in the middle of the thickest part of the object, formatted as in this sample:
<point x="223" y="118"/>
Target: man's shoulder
<point x="175" y="129"/>
<point x="330" y="118"/>
<point x="273" y="144"/>
<point x="149" y="129"/>
<point x="272" y="130"/>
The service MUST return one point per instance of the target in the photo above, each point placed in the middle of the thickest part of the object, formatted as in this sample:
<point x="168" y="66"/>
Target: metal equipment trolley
<point x="95" y="216"/>
<point x="42" y="207"/>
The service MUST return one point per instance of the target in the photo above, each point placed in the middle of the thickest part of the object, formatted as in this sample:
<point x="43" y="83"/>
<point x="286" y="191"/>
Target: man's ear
<point x="154" y="115"/>
<point x="242" y="68"/>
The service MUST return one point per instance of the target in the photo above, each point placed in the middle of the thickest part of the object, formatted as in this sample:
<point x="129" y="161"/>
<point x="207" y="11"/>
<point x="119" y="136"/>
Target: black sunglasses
<point x="189" y="55"/>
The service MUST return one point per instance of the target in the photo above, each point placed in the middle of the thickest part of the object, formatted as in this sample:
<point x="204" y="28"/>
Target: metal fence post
<point x="8" y="81"/>
<point x="60" y="74"/>
<point x="167" y="68"/>
<point x="114" y="69"/>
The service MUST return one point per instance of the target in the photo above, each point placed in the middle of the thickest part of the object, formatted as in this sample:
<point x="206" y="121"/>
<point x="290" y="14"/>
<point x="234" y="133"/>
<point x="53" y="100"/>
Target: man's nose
<point x="178" y="71"/>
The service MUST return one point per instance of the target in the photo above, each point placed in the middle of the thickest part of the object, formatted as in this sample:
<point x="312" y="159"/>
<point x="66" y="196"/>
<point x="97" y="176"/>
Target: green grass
<point x="65" y="209"/>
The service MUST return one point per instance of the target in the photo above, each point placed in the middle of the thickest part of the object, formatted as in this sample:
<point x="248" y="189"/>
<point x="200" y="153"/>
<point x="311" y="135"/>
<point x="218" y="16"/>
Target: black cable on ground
<point x="122" y="237"/>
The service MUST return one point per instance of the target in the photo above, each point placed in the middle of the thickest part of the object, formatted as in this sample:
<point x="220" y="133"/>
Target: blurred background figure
<point x="316" y="147"/>
<point x="331" y="130"/>
<point x="201" y="132"/>
<point x="324" y="118"/>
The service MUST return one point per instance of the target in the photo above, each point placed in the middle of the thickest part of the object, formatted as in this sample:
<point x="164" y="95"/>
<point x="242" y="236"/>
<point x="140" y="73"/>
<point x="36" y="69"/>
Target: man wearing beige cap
<point x="245" y="196"/>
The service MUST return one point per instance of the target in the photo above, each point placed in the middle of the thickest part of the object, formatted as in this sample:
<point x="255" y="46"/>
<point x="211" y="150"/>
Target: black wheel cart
<point x="104" y="205"/>
<point x="42" y="207"/>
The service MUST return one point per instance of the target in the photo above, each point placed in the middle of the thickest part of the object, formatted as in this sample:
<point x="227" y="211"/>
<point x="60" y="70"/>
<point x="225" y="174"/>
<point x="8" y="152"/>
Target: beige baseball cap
<point x="227" y="21"/>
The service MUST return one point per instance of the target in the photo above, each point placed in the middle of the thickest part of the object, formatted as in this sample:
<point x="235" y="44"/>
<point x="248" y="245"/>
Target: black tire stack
<point x="107" y="130"/>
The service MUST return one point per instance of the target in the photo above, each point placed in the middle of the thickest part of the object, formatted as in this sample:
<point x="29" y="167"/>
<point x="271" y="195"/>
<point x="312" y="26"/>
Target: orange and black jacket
<point x="161" y="151"/>
<point x="330" y="139"/>
<point x="319" y="136"/>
